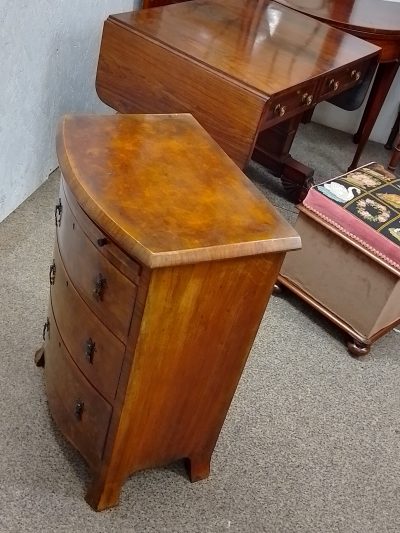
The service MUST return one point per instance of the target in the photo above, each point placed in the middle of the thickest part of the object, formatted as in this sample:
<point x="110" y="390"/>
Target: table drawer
<point x="343" y="79"/>
<point x="96" y="351"/>
<point x="79" y="411"/>
<point x="107" y="292"/>
<point x="289" y="104"/>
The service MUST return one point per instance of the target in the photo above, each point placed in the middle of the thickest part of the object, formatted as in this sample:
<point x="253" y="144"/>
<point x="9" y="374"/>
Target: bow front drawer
<point x="79" y="411"/>
<point x="96" y="351"/>
<point x="109" y="294"/>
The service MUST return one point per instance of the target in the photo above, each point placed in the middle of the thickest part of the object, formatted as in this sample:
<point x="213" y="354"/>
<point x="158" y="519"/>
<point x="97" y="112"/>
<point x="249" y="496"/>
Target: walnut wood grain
<point x="86" y="267"/>
<point x="66" y="388"/>
<point x="199" y="352"/>
<point x="80" y="328"/>
<point x="129" y="267"/>
<point x="203" y="209"/>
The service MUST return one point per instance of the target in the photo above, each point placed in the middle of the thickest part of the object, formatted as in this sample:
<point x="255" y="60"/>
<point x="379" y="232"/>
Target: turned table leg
<point x="272" y="150"/>
<point x="383" y="80"/>
<point x="394" y="161"/>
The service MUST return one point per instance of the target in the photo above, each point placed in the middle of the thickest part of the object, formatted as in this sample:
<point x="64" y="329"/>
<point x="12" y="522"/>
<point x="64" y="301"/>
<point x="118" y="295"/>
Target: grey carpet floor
<point x="310" y="444"/>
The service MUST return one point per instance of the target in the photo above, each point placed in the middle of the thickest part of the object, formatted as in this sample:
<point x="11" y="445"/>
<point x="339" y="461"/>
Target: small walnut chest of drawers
<point x="164" y="261"/>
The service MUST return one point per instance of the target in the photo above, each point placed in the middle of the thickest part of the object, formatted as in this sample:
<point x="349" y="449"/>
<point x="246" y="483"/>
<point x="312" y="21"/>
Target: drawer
<point x="96" y="351"/>
<point x="343" y="79"/>
<point x="109" y="294"/>
<point x="128" y="266"/>
<point x="289" y="104"/>
<point x="79" y="411"/>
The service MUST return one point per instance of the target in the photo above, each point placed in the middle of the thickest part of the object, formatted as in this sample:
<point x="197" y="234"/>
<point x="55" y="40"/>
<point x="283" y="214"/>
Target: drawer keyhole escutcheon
<point x="90" y="348"/>
<point x="79" y="407"/>
<point x="102" y="242"/>
<point x="307" y="99"/>
<point x="334" y="85"/>
<point x="52" y="273"/>
<point x="57" y="213"/>
<point x="356" y="74"/>
<point x="100" y="285"/>
<point x="46" y="327"/>
<point x="280" y="110"/>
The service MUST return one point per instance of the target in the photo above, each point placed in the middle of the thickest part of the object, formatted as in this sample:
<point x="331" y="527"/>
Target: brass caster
<point x="278" y="289"/>
<point x="357" y="348"/>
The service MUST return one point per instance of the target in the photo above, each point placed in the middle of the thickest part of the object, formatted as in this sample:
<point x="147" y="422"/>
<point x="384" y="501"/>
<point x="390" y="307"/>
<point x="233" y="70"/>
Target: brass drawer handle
<point x="46" y="327"/>
<point x="334" y="85"/>
<point x="52" y="273"/>
<point x="307" y="99"/>
<point x="90" y="348"/>
<point x="58" y="212"/>
<point x="355" y="74"/>
<point x="280" y="110"/>
<point x="99" y="288"/>
<point x="79" y="408"/>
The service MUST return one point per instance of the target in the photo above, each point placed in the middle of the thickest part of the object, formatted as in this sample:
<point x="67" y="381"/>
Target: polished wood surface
<point x="179" y="396"/>
<point x="376" y="21"/>
<point x="81" y="413"/>
<point x="104" y="289"/>
<point x="96" y="351"/>
<point x="204" y="209"/>
<point x="160" y="393"/>
<point x="260" y="50"/>
<point x="236" y="66"/>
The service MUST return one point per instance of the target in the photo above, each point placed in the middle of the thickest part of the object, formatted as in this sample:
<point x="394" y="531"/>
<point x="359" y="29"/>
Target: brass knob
<point x="355" y="74"/>
<point x="334" y="85"/>
<point x="307" y="99"/>
<point x="280" y="110"/>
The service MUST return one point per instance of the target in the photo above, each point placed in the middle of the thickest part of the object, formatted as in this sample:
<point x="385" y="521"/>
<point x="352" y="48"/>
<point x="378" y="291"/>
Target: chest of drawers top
<point x="178" y="200"/>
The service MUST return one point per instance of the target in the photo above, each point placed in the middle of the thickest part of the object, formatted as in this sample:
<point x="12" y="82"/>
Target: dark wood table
<point x="247" y="70"/>
<point x="376" y="21"/>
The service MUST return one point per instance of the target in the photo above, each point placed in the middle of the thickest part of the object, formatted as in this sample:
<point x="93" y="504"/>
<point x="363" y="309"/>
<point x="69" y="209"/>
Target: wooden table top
<point x="378" y="16"/>
<point x="261" y="44"/>
<point x="163" y="190"/>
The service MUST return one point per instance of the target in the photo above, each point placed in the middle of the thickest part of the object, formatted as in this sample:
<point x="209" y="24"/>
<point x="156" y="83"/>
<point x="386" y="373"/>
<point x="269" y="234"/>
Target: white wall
<point x="48" y="59"/>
